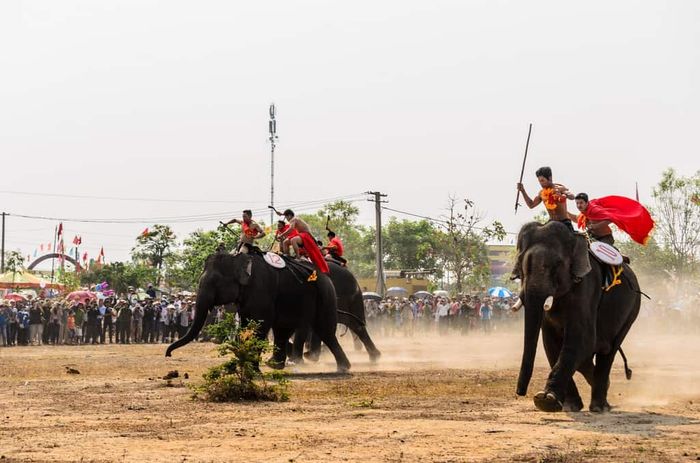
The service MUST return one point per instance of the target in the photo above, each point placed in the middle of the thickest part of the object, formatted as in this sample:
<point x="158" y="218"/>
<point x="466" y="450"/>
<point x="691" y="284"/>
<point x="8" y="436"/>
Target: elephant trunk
<point x="203" y="306"/>
<point x="533" y="323"/>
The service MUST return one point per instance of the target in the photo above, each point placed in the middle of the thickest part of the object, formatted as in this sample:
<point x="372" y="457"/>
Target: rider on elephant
<point x="251" y="231"/>
<point x="553" y="195"/>
<point x="335" y="248"/>
<point x="598" y="229"/>
<point x="627" y="214"/>
<point x="303" y="238"/>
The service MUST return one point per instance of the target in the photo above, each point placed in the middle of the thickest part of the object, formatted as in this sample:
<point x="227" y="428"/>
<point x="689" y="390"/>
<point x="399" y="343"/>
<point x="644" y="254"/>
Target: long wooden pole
<point x="522" y="171"/>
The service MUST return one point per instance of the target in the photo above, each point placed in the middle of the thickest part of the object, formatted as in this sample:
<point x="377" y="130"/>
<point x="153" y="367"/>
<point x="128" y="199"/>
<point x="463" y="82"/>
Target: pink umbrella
<point x="81" y="296"/>
<point x="15" y="297"/>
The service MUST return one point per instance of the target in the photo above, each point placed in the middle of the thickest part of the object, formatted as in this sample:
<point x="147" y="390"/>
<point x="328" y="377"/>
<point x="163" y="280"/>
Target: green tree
<point x="186" y="265"/>
<point x="154" y="246"/>
<point x="121" y="275"/>
<point x="677" y="213"/>
<point x="14" y="262"/>
<point x="409" y="244"/>
<point x="462" y="244"/>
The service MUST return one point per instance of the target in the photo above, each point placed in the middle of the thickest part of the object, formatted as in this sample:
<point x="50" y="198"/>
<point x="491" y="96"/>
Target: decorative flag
<point x="77" y="240"/>
<point x="629" y="216"/>
<point x="85" y="257"/>
<point x="48" y="247"/>
<point x="60" y="229"/>
<point x="42" y="247"/>
<point x="145" y="232"/>
<point x="101" y="257"/>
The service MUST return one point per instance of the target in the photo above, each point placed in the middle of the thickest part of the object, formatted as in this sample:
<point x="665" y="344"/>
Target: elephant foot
<point x="343" y="369"/>
<point x="573" y="405"/>
<point x="547" y="402"/>
<point x="296" y="360"/>
<point x="275" y="364"/>
<point x="597" y="407"/>
<point x="312" y="356"/>
<point x="374" y="356"/>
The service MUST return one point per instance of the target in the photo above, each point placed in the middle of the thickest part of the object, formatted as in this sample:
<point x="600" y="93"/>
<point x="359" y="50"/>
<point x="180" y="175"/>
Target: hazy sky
<point x="168" y="100"/>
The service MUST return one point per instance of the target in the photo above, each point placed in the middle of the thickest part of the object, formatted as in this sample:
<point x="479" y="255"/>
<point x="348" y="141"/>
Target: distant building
<point x="501" y="258"/>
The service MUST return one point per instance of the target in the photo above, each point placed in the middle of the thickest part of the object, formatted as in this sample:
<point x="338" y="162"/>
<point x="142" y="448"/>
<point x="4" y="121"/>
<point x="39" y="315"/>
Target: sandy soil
<point x="429" y="399"/>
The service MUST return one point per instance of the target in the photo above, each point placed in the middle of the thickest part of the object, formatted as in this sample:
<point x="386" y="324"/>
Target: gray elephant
<point x="351" y="313"/>
<point x="281" y="299"/>
<point x="583" y="325"/>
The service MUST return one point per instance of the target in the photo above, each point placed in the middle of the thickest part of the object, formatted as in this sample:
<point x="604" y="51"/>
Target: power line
<point x="433" y="219"/>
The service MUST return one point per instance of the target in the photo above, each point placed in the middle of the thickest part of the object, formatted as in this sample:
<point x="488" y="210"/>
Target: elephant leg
<point x="329" y="339"/>
<point x="601" y="382"/>
<point x="586" y="369"/>
<point x="279" y="355"/>
<point x="558" y="382"/>
<point x="572" y="401"/>
<point x="298" y="345"/>
<point x="360" y="330"/>
<point x="314" y="352"/>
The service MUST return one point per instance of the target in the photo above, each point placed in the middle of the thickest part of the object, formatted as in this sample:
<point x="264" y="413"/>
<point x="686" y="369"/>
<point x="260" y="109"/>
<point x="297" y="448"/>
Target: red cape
<point x="629" y="216"/>
<point x="314" y="252"/>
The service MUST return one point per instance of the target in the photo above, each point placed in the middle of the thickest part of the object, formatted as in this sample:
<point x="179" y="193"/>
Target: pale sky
<point x="169" y="100"/>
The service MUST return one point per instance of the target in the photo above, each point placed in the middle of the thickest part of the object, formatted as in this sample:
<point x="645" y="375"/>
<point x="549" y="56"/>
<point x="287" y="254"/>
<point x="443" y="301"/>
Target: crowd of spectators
<point x="441" y="315"/>
<point x="125" y="320"/>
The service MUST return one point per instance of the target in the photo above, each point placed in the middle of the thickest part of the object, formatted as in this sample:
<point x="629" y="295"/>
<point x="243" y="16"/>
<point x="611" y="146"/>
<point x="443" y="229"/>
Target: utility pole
<point x="377" y="200"/>
<point x="272" y="126"/>
<point x="2" y="263"/>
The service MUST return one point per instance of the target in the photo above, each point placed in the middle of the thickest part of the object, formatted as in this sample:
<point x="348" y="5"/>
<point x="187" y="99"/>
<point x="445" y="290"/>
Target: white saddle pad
<point x="606" y="253"/>
<point x="274" y="260"/>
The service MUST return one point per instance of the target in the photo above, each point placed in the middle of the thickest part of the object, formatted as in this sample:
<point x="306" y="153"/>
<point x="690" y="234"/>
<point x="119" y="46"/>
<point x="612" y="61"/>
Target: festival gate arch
<point x="55" y="255"/>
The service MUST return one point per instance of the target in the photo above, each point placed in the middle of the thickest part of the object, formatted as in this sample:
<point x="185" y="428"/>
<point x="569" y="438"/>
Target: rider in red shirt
<point x="335" y="248"/>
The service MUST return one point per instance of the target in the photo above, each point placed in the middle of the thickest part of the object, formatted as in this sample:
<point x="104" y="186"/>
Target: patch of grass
<point x="365" y="403"/>
<point x="239" y="378"/>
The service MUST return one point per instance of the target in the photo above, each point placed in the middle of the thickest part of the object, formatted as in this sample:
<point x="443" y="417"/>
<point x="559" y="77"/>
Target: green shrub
<point x="239" y="378"/>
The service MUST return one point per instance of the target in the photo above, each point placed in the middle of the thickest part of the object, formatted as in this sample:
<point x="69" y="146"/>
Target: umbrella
<point x="422" y="294"/>
<point x="371" y="295"/>
<point x="396" y="291"/>
<point x="15" y="297"/>
<point x="441" y="293"/>
<point x="499" y="291"/>
<point x="81" y="296"/>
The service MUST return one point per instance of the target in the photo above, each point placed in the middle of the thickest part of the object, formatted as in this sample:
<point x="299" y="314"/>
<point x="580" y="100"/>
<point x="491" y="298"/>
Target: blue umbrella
<point x="499" y="291"/>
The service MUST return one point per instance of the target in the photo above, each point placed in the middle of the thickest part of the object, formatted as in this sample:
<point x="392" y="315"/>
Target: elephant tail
<point x="628" y="371"/>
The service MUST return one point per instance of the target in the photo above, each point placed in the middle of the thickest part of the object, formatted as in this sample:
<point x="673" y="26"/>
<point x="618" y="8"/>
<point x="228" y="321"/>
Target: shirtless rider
<point x="553" y="195"/>
<point x="251" y="231"/>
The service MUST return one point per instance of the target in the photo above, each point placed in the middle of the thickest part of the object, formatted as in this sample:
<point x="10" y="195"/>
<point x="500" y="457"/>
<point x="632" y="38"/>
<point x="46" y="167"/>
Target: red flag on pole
<point x="77" y="240"/>
<point x="85" y="257"/>
<point x="101" y="257"/>
<point x="145" y="232"/>
<point x="60" y="229"/>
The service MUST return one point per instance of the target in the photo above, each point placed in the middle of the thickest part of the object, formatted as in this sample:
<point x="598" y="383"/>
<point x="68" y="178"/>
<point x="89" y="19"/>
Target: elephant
<point x="563" y="295"/>
<point x="351" y="313"/>
<point x="280" y="299"/>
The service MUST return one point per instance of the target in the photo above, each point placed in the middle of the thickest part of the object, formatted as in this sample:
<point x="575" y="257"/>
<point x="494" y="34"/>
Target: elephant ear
<point x="244" y="268"/>
<point x="580" y="264"/>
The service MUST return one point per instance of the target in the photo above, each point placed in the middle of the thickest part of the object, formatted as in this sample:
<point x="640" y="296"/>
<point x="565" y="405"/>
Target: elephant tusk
<point x="518" y="304"/>
<point x="548" y="303"/>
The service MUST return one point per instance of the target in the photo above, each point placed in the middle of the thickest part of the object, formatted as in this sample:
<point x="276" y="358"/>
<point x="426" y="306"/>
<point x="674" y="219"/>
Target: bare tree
<point x="462" y="243"/>
<point x="677" y="213"/>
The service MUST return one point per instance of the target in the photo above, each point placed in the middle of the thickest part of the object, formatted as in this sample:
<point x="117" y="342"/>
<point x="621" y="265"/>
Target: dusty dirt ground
<point x="428" y="399"/>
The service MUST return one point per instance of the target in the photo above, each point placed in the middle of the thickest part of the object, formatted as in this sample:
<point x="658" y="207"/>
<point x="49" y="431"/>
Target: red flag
<point x="145" y="232"/>
<point x="77" y="240"/>
<point x="101" y="257"/>
<point x="41" y="247"/>
<point x="48" y="247"/>
<point x="85" y="257"/>
<point x="629" y="216"/>
<point x="60" y="229"/>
